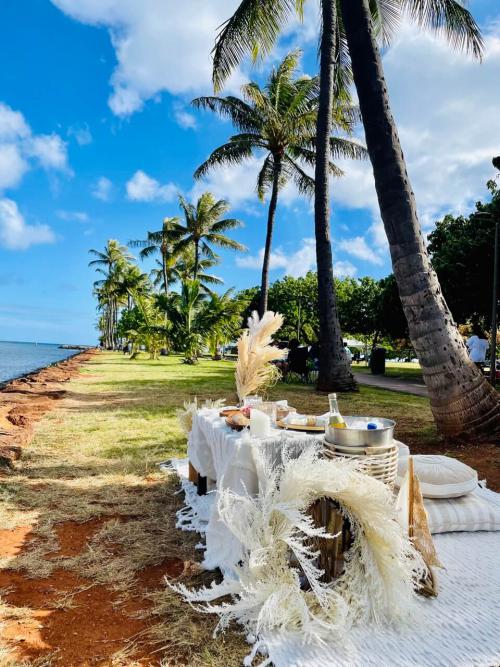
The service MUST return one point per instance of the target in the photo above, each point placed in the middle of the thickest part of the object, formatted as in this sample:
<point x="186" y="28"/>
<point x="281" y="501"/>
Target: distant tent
<point x="352" y="342"/>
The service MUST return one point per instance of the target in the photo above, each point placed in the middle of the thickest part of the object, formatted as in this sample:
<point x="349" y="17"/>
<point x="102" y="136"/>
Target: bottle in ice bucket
<point x="335" y="419"/>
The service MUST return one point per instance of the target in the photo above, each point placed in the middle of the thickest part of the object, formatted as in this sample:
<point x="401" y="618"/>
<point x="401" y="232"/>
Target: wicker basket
<point x="381" y="462"/>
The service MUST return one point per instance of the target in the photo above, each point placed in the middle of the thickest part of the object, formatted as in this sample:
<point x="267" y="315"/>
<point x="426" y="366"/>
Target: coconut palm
<point x="461" y="400"/>
<point x="279" y="122"/>
<point x="204" y="227"/>
<point x="161" y="242"/>
<point x="181" y="268"/>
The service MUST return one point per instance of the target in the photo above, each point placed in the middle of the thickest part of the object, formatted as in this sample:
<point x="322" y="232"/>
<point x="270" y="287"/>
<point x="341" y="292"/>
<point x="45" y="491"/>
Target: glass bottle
<point x="335" y="419"/>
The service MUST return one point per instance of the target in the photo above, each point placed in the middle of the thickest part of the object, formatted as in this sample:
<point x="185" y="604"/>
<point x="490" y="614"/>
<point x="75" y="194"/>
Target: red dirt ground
<point x="96" y="627"/>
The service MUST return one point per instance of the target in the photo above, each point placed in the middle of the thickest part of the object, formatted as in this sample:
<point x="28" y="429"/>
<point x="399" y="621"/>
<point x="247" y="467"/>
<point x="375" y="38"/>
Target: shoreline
<point x="38" y="369"/>
<point x="27" y="398"/>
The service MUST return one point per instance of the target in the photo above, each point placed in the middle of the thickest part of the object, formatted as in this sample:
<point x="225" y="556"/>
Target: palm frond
<point x="450" y="19"/>
<point x="251" y="30"/>
<point x="232" y="153"/>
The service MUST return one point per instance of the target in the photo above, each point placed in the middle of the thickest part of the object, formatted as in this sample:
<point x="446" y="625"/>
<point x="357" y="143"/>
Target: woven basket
<point x="378" y="462"/>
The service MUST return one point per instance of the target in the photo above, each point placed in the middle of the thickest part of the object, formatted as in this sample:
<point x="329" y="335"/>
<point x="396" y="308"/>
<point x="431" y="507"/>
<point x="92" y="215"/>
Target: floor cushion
<point x="440" y="476"/>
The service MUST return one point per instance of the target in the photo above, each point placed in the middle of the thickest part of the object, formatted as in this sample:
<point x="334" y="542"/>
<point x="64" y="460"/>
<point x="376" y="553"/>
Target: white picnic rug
<point x="460" y="628"/>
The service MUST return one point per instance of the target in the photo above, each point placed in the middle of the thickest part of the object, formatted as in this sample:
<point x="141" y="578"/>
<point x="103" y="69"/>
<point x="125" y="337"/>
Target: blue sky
<point x="97" y="137"/>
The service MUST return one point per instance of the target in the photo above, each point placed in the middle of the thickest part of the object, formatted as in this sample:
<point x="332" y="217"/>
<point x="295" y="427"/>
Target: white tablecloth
<point x="229" y="459"/>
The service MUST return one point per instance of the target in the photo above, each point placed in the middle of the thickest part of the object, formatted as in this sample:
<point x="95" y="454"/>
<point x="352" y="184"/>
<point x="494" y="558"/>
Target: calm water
<point x="20" y="358"/>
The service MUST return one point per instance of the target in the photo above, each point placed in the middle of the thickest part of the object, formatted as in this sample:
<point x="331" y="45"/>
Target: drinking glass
<point x="269" y="409"/>
<point x="252" y="401"/>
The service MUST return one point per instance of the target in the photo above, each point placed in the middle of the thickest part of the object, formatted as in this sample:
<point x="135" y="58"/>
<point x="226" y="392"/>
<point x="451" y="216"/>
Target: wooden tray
<point x="236" y="427"/>
<point x="228" y="412"/>
<point x="300" y="427"/>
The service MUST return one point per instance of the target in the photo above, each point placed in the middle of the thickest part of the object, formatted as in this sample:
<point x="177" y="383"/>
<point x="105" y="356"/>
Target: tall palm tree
<point x="461" y="400"/>
<point x="279" y="120"/>
<point x="203" y="227"/>
<point x="162" y="242"/>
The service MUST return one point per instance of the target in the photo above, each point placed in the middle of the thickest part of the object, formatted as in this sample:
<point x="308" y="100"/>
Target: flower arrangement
<point x="254" y="370"/>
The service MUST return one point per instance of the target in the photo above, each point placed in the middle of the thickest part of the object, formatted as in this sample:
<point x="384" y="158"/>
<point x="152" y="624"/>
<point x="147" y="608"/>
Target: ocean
<point x="21" y="358"/>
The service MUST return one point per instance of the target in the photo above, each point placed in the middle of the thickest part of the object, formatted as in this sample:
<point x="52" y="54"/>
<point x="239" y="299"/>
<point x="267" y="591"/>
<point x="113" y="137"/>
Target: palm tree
<point x="224" y="314"/>
<point x="182" y="269"/>
<point x="280" y="120"/>
<point x="161" y="242"/>
<point x="462" y="402"/>
<point x="203" y="228"/>
<point x="111" y="263"/>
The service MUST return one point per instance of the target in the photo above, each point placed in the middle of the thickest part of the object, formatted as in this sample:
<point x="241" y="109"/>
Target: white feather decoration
<point x="185" y="415"/>
<point x="254" y="371"/>
<point x="381" y="566"/>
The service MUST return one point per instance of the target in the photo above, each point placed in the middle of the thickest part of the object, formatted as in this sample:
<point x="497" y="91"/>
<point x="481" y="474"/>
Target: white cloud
<point x="160" y="45"/>
<point x="102" y="189"/>
<point x="186" y="120"/>
<point x="50" y="150"/>
<point x="82" y="134"/>
<point x="446" y="124"/>
<point x="78" y="216"/>
<point x="12" y="166"/>
<point x="344" y="269"/>
<point x="358" y="247"/>
<point x="294" y="264"/>
<point x="142" y="187"/>
<point x="15" y="234"/>
<point x="12" y="124"/>
<point x="20" y="148"/>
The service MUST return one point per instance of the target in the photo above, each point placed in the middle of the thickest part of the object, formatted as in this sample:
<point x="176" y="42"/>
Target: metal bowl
<point x="361" y="437"/>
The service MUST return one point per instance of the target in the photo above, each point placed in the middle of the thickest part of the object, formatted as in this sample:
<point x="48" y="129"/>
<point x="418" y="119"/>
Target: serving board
<point x="300" y="427"/>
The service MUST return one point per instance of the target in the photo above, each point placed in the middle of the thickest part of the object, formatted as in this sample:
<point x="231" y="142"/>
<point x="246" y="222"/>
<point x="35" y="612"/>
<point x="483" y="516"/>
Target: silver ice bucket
<point x="362" y="437"/>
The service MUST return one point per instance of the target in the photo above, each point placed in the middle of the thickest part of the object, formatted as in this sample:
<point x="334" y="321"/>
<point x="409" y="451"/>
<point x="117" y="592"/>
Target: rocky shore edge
<point x="25" y="400"/>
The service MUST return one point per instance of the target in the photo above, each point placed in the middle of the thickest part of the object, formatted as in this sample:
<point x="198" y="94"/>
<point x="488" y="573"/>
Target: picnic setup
<point x="335" y="545"/>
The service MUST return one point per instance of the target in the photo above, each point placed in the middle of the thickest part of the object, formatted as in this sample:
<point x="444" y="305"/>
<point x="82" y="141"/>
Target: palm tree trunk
<point x="196" y="259"/>
<point x="334" y="370"/>
<point x="164" y="270"/>
<point x="264" y="285"/>
<point x="462" y="401"/>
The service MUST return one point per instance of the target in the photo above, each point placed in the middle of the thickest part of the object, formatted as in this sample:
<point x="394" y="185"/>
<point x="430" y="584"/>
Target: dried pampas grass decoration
<point x="186" y="414"/>
<point x="377" y="584"/>
<point x="255" y="352"/>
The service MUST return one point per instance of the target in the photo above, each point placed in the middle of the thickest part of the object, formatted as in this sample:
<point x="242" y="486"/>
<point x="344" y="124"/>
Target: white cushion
<point x="440" y="476"/>
<point x="479" y="510"/>
<point x="404" y="450"/>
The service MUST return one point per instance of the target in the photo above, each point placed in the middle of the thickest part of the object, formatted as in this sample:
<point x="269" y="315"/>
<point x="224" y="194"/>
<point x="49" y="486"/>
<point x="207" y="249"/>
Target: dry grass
<point x="95" y="459"/>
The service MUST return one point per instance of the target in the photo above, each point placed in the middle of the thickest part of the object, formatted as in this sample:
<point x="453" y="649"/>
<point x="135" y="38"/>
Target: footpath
<point x="416" y="387"/>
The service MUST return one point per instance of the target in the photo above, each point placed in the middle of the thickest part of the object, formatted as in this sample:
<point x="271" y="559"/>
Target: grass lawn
<point x="95" y="519"/>
<point x="400" y="370"/>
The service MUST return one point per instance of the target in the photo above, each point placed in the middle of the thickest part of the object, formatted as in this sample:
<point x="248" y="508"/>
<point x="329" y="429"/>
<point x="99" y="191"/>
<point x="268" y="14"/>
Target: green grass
<point x="393" y="369"/>
<point x="135" y="414"/>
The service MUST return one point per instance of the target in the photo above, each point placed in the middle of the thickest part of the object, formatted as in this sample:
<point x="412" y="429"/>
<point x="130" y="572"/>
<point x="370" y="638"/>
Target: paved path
<point x="416" y="387"/>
